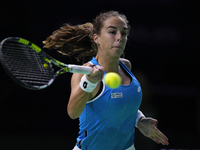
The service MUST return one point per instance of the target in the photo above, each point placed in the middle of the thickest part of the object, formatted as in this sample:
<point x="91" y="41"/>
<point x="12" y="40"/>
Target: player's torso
<point x="111" y="114"/>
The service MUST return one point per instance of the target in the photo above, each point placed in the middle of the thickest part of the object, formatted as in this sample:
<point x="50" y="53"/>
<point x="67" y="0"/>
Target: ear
<point x="96" y="38"/>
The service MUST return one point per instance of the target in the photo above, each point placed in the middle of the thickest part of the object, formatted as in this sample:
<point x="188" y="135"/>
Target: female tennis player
<point x="108" y="117"/>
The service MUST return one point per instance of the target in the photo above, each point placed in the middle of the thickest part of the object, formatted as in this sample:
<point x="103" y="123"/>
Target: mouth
<point x="118" y="47"/>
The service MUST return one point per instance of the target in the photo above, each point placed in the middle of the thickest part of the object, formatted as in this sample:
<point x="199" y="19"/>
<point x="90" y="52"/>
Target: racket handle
<point x="80" y="69"/>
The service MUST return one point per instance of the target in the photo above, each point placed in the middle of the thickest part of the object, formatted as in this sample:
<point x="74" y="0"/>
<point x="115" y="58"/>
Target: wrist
<point x="140" y="116"/>
<point x="139" y="121"/>
<point x="91" y="79"/>
<point x="87" y="85"/>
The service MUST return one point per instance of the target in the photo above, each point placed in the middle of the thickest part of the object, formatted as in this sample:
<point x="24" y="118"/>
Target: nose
<point x="119" y="36"/>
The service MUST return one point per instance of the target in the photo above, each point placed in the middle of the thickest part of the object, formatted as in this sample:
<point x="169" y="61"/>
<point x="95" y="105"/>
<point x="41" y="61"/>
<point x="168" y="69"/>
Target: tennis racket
<point x="29" y="66"/>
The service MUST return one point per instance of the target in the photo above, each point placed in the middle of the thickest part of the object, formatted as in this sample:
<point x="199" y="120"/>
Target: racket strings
<point x="26" y="64"/>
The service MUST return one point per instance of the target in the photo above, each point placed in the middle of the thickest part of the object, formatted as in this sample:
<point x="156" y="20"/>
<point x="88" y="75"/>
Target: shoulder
<point x="126" y="62"/>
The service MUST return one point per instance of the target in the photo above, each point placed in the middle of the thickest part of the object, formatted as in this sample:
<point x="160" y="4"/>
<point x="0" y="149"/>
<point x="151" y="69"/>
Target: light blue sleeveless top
<point x="108" y="121"/>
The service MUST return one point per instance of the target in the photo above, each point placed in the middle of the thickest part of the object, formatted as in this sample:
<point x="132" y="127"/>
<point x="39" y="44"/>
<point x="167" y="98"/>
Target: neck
<point x="109" y="64"/>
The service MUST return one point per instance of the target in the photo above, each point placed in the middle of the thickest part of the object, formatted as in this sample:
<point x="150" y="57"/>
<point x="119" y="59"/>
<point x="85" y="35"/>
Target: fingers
<point x="155" y="139"/>
<point x="159" y="137"/>
<point x="148" y="126"/>
<point x="98" y="69"/>
<point x="160" y="140"/>
<point x="163" y="139"/>
<point x="97" y="74"/>
<point x="156" y="135"/>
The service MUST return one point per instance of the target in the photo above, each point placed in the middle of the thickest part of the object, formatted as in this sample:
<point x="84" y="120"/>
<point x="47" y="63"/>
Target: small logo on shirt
<point x="116" y="95"/>
<point x="139" y="89"/>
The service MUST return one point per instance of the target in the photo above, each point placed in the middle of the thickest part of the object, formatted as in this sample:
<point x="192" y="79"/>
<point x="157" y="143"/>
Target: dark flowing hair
<point x="77" y="41"/>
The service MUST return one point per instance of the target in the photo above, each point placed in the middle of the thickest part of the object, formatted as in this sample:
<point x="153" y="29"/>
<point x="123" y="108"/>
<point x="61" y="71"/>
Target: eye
<point x="112" y="32"/>
<point x="124" y="33"/>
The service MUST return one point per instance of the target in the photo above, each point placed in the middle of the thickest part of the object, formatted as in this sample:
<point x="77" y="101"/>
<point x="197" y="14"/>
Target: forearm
<point x="83" y="88"/>
<point x="77" y="103"/>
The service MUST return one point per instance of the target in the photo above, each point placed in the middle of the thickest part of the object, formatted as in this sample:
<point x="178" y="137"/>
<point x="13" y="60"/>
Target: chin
<point x="117" y="54"/>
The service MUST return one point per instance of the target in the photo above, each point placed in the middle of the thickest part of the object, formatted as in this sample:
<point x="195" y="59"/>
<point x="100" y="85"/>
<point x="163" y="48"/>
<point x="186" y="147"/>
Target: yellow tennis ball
<point x="45" y="65"/>
<point x="112" y="80"/>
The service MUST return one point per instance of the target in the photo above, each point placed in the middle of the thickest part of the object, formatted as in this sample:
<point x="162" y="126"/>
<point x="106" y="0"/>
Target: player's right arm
<point x="78" y="97"/>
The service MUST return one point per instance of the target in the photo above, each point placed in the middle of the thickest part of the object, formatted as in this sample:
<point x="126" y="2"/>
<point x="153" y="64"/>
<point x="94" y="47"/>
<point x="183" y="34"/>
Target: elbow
<point x="72" y="114"/>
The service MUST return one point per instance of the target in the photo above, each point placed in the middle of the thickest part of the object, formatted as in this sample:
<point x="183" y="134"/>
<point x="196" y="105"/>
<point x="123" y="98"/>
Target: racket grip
<point x="80" y="69"/>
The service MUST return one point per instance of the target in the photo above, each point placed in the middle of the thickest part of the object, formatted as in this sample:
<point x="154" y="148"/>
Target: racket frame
<point x="50" y="60"/>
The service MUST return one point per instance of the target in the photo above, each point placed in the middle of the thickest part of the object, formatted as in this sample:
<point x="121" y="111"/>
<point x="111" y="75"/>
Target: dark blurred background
<point x="163" y="48"/>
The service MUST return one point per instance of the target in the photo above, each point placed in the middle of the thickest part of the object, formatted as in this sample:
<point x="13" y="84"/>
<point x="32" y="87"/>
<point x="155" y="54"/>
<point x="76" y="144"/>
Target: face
<point x="113" y="37"/>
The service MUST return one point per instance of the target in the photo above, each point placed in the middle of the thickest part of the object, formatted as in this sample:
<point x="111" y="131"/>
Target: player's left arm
<point x="148" y="127"/>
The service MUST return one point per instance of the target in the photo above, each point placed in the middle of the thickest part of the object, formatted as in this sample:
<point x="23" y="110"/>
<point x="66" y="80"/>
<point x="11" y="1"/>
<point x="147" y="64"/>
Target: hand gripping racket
<point x="29" y="66"/>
